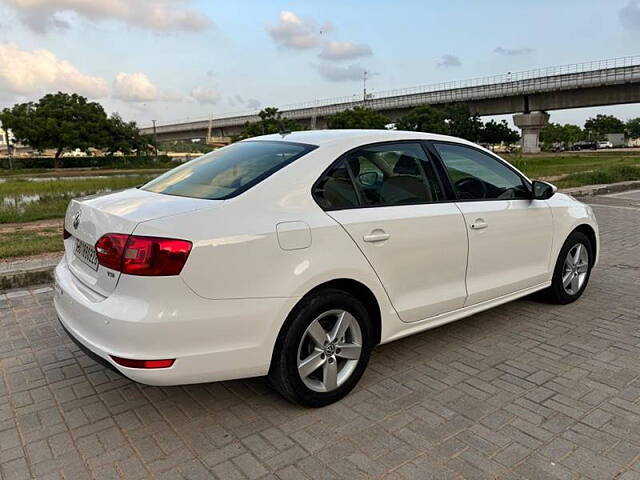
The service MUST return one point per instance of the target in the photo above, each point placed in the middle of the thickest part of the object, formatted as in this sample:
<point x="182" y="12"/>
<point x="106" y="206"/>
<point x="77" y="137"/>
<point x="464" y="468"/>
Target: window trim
<point x="307" y="148"/>
<point x="444" y="187"/>
<point x="525" y="181"/>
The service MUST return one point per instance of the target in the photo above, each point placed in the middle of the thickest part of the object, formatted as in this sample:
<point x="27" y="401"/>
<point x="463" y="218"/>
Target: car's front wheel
<point x="323" y="349"/>
<point x="572" y="270"/>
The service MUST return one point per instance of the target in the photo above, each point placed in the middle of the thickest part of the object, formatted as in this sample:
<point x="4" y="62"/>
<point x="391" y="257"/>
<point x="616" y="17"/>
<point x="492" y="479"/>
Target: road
<point x="527" y="390"/>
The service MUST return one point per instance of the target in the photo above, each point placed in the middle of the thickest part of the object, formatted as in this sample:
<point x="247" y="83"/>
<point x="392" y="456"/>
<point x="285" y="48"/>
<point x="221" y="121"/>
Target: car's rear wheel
<point x="322" y="350"/>
<point x="572" y="270"/>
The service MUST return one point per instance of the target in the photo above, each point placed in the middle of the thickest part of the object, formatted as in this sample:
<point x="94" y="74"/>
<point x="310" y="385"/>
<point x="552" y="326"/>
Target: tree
<point x="462" y="123"/>
<point x="123" y="136"/>
<point x="564" y="134"/>
<point x="455" y="120"/>
<point x="271" y="121"/>
<point x="424" y="119"/>
<point x="599" y="126"/>
<point x="58" y="121"/>
<point x="633" y="127"/>
<point x="358" y="117"/>
<point x="494" y="133"/>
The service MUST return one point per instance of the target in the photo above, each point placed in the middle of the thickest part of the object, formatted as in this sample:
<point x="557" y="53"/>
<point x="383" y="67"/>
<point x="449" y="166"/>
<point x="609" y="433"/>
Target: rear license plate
<point x="86" y="254"/>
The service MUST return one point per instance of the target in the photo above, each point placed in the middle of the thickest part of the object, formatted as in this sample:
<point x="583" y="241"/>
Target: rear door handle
<point x="376" y="236"/>
<point x="479" y="224"/>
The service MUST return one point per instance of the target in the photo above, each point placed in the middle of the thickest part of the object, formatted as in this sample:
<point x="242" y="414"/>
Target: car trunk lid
<point x="89" y="218"/>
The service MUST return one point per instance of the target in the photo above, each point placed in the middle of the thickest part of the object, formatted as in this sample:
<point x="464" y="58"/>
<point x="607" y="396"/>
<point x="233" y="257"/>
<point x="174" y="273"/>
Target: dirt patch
<point x="41" y="257"/>
<point x="31" y="226"/>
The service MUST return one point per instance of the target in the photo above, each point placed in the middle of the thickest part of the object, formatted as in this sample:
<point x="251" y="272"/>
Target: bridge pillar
<point x="531" y="125"/>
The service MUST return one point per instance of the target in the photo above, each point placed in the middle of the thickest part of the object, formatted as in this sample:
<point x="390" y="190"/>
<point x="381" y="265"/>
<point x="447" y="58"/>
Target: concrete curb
<point x="24" y="279"/>
<point x="26" y="273"/>
<point x="590" y="190"/>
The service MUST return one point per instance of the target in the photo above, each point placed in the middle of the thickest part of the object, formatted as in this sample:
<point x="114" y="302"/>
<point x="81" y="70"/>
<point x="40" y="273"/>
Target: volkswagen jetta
<point x="293" y="255"/>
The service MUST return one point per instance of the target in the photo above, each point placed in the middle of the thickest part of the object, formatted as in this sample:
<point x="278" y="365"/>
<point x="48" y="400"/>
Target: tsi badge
<point x="76" y="220"/>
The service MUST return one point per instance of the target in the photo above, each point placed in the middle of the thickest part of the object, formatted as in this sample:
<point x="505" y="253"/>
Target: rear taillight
<point x="109" y="249"/>
<point x="137" y="255"/>
<point x="65" y="234"/>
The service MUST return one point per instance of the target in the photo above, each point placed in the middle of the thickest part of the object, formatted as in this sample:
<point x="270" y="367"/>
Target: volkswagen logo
<point x="76" y="220"/>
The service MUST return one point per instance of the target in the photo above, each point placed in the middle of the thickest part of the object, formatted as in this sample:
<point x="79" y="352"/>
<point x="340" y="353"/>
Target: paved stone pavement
<point x="527" y="390"/>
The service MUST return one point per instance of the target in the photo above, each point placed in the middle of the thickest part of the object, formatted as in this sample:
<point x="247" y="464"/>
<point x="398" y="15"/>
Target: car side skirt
<point x="389" y="334"/>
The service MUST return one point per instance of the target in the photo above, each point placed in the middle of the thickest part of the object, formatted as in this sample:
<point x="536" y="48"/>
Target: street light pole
<point x="364" y="87"/>
<point x="155" y="140"/>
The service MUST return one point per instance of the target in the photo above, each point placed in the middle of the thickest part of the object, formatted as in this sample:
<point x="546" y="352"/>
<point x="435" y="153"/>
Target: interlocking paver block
<point x="524" y="391"/>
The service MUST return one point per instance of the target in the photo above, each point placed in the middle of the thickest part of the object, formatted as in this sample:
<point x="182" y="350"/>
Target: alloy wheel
<point x="329" y="350"/>
<point x="575" y="269"/>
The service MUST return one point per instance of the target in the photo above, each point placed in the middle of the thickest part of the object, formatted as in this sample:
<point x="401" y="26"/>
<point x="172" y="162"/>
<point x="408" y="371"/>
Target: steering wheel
<point x="470" y="187"/>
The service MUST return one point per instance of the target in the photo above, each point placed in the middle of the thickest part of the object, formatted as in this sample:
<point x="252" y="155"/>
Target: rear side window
<point x="229" y="171"/>
<point x="379" y="175"/>
<point x="394" y="174"/>
<point x="335" y="190"/>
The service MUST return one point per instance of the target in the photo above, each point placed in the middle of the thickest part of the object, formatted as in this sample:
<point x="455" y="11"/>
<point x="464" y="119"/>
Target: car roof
<point x="324" y="137"/>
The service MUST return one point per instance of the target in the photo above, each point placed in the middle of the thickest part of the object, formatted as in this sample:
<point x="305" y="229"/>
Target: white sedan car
<point x="293" y="255"/>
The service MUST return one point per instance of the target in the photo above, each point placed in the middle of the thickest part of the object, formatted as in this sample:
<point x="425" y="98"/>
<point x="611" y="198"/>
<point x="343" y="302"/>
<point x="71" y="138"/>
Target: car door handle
<point x="376" y="236"/>
<point x="479" y="224"/>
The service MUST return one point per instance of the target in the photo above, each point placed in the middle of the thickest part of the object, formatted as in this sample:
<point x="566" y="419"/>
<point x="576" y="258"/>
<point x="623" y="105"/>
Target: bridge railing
<point x="594" y="73"/>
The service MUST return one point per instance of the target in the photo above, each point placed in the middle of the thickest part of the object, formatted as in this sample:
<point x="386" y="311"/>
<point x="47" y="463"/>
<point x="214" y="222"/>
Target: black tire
<point x="284" y="375"/>
<point x="557" y="293"/>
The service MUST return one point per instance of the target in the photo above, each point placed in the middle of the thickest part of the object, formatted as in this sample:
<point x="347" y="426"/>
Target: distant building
<point x="617" y="139"/>
<point x="4" y="136"/>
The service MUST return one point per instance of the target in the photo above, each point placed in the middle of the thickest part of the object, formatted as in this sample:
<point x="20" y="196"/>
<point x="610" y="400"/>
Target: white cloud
<point x="513" y="51"/>
<point x="238" y="101"/>
<point x="630" y="14"/>
<point x="205" y="96"/>
<point x="33" y="72"/>
<point x="253" y="104"/>
<point x="336" y="73"/>
<point x="293" y="32"/>
<point x="449" y="61"/>
<point x="344" y="50"/>
<point x="134" y="87"/>
<point x="157" y="15"/>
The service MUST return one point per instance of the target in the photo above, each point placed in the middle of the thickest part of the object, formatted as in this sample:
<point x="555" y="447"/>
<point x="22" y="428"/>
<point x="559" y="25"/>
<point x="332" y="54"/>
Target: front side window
<point x="476" y="175"/>
<point x="229" y="171"/>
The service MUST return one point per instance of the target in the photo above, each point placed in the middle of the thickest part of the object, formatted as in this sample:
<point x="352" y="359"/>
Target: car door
<point x="390" y="201"/>
<point x="510" y="234"/>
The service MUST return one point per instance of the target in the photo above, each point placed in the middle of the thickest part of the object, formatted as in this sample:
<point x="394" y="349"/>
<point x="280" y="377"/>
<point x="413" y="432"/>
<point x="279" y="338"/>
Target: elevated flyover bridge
<point x="529" y="95"/>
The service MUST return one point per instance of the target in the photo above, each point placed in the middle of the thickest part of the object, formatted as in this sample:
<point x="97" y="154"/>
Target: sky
<point x="170" y="60"/>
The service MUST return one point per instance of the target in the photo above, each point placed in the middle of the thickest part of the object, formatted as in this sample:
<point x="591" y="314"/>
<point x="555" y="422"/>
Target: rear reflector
<point x="137" y="255"/>
<point x="129" y="363"/>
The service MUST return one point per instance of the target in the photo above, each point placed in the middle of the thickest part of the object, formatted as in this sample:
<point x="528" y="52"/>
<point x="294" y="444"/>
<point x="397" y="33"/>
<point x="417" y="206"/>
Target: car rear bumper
<point x="161" y="318"/>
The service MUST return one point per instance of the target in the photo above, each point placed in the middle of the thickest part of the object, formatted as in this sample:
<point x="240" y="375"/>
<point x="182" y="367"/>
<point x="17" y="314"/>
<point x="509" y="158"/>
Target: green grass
<point x="43" y="209"/>
<point x="26" y="243"/>
<point x="23" y="186"/>
<point x="599" y="176"/>
<point x="553" y="165"/>
<point x="53" y="196"/>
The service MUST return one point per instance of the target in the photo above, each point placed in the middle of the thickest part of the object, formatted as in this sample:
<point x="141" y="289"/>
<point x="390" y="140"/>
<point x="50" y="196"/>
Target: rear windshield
<point x="229" y="171"/>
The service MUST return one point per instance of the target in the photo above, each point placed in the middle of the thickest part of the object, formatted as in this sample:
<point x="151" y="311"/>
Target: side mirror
<point x="543" y="190"/>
